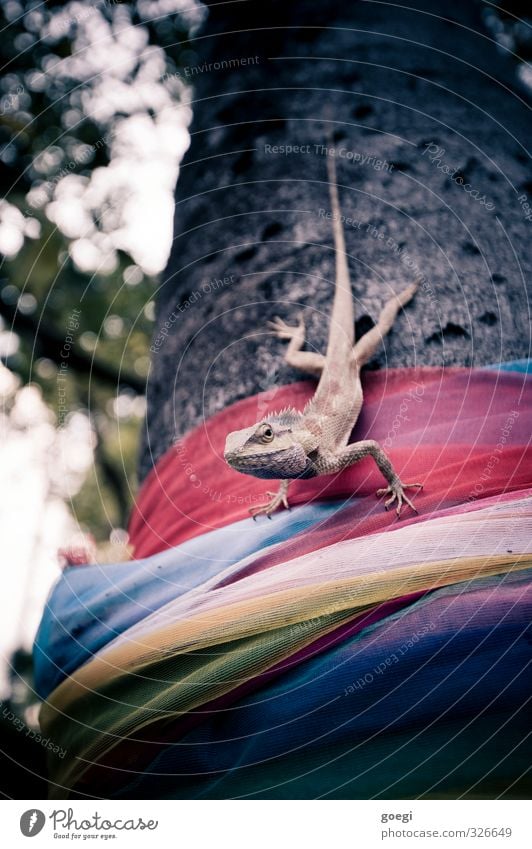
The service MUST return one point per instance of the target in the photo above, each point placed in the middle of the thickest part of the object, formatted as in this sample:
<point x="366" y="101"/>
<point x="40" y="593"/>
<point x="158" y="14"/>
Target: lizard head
<point x="276" y="447"/>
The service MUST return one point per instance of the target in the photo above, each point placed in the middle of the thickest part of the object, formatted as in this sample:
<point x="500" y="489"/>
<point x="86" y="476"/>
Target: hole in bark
<point x="309" y="34"/>
<point x="271" y="230"/>
<point x="339" y="135"/>
<point x="450" y="331"/>
<point x="488" y="318"/>
<point x="243" y="162"/>
<point x="425" y="72"/>
<point x="527" y="186"/>
<point x="276" y="124"/>
<point x="266" y="289"/>
<point x="243" y="256"/>
<point x="363" y="111"/>
<point x="226" y="115"/>
<point x="498" y="278"/>
<point x="470" y="248"/>
<point x="362" y="325"/>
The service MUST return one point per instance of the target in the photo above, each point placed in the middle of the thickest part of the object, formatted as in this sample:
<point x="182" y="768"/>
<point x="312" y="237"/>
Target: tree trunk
<point x="429" y="127"/>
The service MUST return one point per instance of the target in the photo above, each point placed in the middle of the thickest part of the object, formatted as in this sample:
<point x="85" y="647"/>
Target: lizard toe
<point x="397" y="493"/>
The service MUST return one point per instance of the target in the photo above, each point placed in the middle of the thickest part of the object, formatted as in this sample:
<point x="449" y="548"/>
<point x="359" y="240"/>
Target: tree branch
<point x="51" y="344"/>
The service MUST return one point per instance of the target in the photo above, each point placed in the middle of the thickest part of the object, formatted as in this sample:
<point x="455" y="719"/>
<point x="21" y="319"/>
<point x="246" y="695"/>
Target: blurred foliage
<point x="78" y="301"/>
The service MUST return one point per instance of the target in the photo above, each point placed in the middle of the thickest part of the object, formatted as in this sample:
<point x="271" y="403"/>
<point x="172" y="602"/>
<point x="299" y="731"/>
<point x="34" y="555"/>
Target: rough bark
<point x="389" y="81"/>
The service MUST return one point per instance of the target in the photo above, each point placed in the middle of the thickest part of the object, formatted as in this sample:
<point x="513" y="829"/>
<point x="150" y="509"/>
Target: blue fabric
<point x="90" y="605"/>
<point x="363" y="719"/>
<point x="522" y="366"/>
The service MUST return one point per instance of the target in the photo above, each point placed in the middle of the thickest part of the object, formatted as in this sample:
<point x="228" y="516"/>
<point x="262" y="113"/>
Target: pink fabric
<point x="464" y="433"/>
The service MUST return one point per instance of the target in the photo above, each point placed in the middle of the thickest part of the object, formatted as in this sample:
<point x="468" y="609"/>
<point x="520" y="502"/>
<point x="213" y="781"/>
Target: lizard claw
<point x="396" y="491"/>
<point x="286" y="331"/>
<point x="276" y="499"/>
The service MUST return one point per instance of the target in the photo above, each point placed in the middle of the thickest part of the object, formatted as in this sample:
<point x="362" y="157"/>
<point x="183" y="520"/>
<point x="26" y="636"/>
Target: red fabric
<point x="439" y="426"/>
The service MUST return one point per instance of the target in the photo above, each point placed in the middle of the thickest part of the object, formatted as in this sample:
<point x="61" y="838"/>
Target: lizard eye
<point x="266" y="433"/>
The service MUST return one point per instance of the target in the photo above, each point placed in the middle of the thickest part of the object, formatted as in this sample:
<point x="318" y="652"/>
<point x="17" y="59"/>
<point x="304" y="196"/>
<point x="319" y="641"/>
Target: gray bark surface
<point x="389" y="82"/>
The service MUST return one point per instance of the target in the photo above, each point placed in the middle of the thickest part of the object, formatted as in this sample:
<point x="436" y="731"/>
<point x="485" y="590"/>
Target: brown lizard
<point x="293" y="444"/>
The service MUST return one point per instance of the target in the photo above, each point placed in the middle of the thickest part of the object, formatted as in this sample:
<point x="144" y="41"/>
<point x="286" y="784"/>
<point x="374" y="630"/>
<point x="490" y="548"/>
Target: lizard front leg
<point x="276" y="499"/>
<point x="307" y="361"/>
<point x="351" y="454"/>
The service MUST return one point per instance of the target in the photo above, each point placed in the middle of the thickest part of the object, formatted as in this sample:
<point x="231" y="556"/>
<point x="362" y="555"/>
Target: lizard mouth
<point x="237" y="462"/>
<point x="231" y="458"/>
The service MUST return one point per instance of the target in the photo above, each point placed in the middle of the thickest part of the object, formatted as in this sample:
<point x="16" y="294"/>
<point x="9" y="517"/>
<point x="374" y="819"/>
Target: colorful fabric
<point x="333" y="651"/>
<point x="437" y="424"/>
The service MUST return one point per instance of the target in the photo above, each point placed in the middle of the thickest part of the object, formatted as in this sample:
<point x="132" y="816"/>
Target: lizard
<point x="294" y="444"/>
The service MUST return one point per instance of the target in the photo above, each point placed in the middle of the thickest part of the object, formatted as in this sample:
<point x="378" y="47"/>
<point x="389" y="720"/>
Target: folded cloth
<point x="438" y="425"/>
<point x="333" y="651"/>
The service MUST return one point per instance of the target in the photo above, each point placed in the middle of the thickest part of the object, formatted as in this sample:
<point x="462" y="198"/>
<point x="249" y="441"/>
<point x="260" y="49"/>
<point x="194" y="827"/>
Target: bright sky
<point x="41" y="468"/>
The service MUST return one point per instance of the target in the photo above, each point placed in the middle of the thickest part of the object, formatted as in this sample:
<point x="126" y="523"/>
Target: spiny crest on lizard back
<point x="286" y="418"/>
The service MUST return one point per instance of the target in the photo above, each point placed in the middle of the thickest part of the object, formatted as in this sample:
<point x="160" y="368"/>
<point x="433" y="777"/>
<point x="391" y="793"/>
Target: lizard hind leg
<point x="368" y="344"/>
<point x="307" y="361"/>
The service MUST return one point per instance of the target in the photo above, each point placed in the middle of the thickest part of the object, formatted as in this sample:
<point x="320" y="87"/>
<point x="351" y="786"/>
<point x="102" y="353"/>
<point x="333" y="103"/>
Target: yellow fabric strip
<point x="259" y="615"/>
<point x="186" y="664"/>
<point x="101" y="721"/>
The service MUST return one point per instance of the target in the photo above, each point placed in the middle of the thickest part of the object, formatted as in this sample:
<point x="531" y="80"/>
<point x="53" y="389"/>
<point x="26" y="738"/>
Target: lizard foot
<point x="396" y="491"/>
<point x="276" y="499"/>
<point x="285" y="331"/>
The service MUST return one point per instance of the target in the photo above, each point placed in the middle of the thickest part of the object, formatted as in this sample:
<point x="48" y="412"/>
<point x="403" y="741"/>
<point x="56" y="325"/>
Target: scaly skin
<point x="291" y="444"/>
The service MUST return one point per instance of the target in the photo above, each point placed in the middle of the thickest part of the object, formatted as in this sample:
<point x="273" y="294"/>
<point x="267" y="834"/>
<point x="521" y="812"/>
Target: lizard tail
<point x="341" y="331"/>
